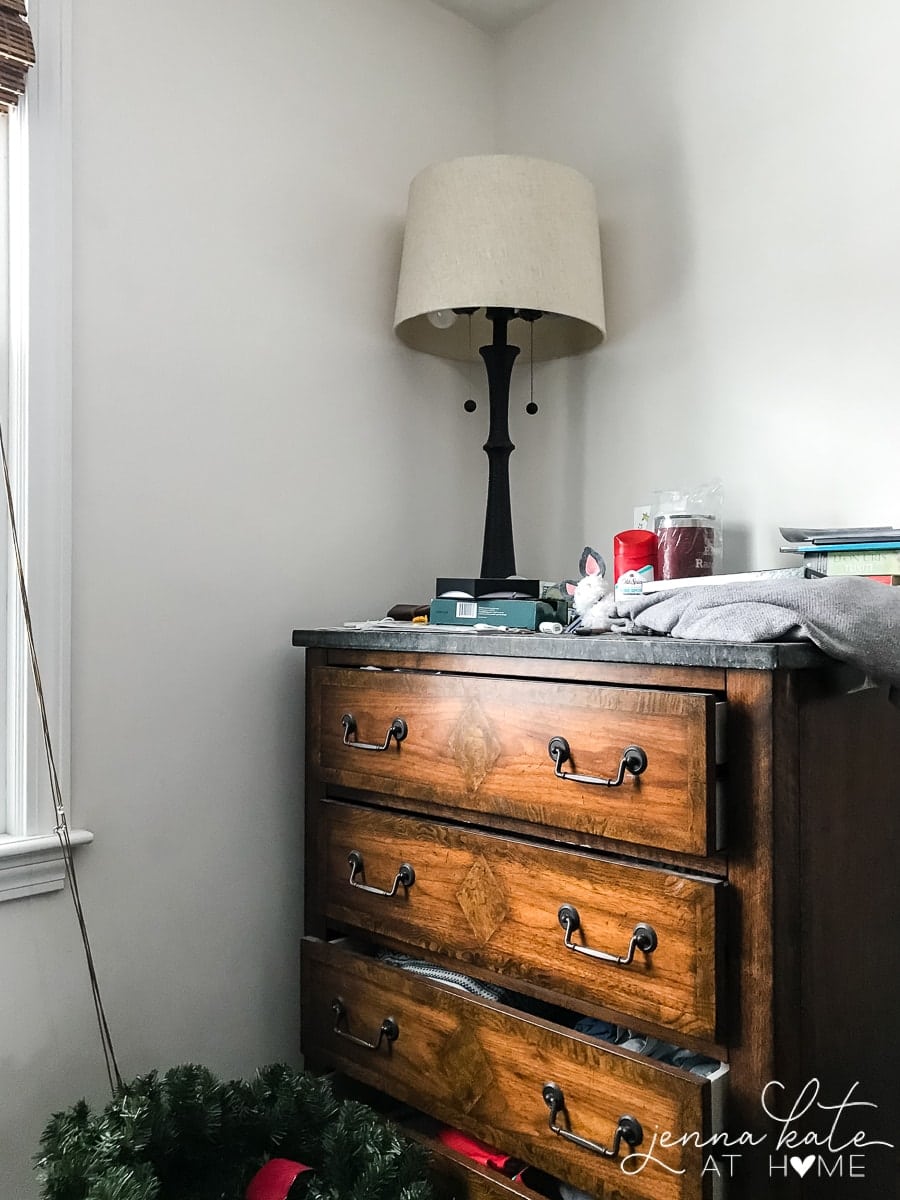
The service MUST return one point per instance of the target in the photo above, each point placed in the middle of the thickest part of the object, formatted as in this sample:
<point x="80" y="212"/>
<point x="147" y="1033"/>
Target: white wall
<point x="747" y="167"/>
<point x="253" y="452"/>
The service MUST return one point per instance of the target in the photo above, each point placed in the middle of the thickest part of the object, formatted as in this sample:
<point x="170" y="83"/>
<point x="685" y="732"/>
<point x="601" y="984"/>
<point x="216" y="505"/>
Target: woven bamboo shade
<point x="16" y="52"/>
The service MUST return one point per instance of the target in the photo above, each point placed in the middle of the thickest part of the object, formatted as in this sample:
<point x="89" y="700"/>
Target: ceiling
<point x="494" y="15"/>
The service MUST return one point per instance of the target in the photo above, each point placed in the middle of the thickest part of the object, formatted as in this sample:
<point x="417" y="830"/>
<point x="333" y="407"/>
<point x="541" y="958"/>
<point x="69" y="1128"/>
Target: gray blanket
<point x="853" y="619"/>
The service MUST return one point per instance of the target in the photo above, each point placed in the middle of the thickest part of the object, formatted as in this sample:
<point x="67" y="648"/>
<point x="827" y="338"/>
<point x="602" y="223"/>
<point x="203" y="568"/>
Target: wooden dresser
<point x="693" y="841"/>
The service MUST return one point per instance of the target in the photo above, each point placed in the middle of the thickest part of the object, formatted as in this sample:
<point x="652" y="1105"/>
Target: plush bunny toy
<point x="593" y="585"/>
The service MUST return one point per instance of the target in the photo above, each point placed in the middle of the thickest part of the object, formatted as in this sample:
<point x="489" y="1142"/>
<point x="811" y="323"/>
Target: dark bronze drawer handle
<point x="628" y="1129"/>
<point x="634" y="761"/>
<point x="398" y="731"/>
<point x="389" y="1029"/>
<point x="643" y="938"/>
<point x="405" y="876"/>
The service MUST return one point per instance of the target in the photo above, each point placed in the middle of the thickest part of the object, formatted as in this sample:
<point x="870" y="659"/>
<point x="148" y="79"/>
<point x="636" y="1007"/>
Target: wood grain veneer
<point x="482" y="745"/>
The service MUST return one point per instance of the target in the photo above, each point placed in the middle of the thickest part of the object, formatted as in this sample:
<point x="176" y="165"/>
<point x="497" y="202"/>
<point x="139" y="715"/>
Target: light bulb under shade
<point x="442" y="318"/>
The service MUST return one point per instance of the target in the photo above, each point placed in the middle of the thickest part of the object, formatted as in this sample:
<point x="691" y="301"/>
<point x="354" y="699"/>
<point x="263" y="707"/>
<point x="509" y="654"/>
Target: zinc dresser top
<point x="607" y="647"/>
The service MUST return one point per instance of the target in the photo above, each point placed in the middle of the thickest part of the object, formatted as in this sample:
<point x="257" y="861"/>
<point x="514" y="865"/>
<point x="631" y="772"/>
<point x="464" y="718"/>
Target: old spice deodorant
<point x="634" y="561"/>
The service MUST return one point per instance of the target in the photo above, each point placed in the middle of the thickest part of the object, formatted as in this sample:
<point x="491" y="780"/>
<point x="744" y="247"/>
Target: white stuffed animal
<point x="588" y="591"/>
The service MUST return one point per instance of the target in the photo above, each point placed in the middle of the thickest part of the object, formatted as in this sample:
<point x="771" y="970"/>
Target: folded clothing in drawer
<point x="418" y="966"/>
<point x="650" y="1047"/>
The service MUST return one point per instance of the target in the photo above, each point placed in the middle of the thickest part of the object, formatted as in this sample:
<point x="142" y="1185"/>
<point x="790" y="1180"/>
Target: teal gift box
<point x="514" y="614"/>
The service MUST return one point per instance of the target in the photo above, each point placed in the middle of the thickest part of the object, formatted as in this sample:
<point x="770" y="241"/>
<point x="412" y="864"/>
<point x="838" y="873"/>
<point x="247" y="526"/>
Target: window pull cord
<point x="62" y="825"/>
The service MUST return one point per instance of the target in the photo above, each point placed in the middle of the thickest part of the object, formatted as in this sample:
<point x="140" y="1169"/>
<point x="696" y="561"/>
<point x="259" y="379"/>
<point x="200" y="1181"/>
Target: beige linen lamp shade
<point x="501" y="231"/>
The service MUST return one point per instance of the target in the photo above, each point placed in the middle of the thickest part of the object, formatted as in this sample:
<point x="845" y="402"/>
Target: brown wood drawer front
<point x="481" y="744"/>
<point x="494" y="902"/>
<point x="482" y="1068"/>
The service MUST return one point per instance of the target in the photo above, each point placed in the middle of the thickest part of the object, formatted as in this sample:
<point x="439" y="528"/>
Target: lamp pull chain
<point x="531" y="408"/>
<point x="470" y="404"/>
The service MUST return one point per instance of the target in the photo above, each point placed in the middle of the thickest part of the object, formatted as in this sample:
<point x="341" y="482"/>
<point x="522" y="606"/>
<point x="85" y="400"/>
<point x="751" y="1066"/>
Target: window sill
<point x="31" y="865"/>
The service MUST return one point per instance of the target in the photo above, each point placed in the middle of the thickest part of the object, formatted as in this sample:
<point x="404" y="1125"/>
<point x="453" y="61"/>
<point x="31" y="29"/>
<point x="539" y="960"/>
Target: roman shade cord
<point x="16" y="52"/>
<point x="62" y="825"/>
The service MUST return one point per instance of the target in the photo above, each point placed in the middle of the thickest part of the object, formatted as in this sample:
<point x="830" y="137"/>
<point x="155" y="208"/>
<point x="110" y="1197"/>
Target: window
<point x="36" y="319"/>
<point x="4" y="417"/>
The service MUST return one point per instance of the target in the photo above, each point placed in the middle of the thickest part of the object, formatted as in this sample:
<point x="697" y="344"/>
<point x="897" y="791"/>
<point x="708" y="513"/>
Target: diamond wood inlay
<point x="483" y="900"/>
<point x="473" y="745"/>
<point x="466" y="1068"/>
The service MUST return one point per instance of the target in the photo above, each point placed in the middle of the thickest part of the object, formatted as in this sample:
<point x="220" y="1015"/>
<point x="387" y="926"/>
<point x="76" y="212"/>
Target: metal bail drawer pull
<point x="628" y="1129"/>
<point x="642" y="938"/>
<point x="398" y="731"/>
<point x="633" y="760"/>
<point x="389" y="1029"/>
<point x="405" y="876"/>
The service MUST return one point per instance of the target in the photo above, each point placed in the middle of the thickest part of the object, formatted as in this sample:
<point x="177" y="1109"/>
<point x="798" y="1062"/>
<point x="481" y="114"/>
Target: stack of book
<point x="873" y="551"/>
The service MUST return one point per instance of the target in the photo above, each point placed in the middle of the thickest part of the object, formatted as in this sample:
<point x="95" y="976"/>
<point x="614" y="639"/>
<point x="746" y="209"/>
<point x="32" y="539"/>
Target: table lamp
<point x="490" y="240"/>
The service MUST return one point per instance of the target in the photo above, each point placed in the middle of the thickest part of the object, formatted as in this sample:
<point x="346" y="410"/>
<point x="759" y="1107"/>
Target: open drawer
<point x="456" y="1177"/>
<point x="579" y="1109"/>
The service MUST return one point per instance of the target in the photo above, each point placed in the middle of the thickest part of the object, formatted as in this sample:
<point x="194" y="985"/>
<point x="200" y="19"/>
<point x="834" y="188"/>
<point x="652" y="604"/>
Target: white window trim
<point x="40" y="452"/>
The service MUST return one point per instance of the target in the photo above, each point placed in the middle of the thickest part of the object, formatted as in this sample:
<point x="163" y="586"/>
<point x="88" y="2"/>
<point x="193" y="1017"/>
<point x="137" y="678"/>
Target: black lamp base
<point x="498" y="558"/>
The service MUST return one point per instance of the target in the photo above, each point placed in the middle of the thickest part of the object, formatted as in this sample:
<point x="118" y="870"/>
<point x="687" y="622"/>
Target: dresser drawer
<point x="458" y="1178"/>
<point x="485" y="1068"/>
<point x="496" y="902"/>
<point x="482" y="744"/>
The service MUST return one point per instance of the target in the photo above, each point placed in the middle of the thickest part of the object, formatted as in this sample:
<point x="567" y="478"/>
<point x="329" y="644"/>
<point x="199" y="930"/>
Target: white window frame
<point x="39" y="448"/>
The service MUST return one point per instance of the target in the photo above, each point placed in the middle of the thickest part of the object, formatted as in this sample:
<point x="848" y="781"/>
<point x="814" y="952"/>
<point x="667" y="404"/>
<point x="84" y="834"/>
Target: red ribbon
<point x="275" y="1179"/>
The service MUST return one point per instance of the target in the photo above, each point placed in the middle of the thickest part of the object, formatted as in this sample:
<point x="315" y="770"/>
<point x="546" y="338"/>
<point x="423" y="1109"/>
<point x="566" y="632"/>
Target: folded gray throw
<point x="853" y="619"/>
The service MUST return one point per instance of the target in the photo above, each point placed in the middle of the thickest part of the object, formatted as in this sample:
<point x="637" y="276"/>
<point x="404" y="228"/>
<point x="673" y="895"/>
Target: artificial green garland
<point x="189" y="1136"/>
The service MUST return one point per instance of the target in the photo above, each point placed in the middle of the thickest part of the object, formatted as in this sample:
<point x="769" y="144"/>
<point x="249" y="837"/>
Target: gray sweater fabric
<point x="855" y="620"/>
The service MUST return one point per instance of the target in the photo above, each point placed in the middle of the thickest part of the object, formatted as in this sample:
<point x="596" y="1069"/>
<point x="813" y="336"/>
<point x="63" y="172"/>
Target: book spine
<point x="852" y="562"/>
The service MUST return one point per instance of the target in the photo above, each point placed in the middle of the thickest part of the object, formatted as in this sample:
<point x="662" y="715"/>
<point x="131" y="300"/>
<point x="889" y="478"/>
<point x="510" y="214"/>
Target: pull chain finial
<point x="531" y="408"/>
<point x="470" y="404"/>
<point x="530" y="315"/>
